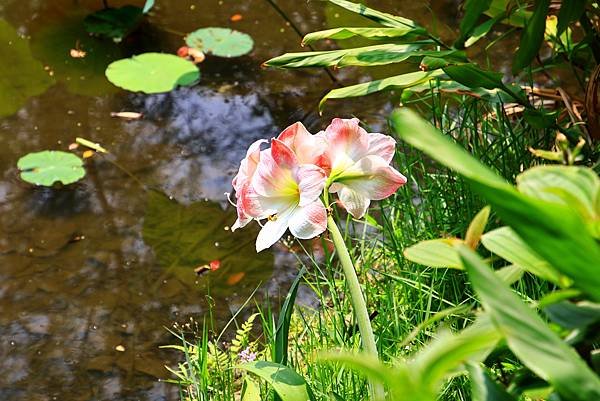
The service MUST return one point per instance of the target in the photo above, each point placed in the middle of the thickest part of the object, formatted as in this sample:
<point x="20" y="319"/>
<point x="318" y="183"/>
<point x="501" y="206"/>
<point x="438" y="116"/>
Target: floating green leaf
<point x="114" y="23"/>
<point x="152" y="73"/>
<point x="21" y="77"/>
<point x="222" y="42"/>
<point x="50" y="166"/>
<point x="288" y="384"/>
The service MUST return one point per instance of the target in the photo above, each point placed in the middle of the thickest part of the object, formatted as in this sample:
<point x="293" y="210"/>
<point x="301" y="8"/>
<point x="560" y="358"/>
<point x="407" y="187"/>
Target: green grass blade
<point x="283" y="324"/>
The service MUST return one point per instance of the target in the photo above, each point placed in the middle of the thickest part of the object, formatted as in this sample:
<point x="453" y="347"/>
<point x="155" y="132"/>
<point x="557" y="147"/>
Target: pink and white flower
<point x="241" y="182"/>
<point x="359" y="164"/>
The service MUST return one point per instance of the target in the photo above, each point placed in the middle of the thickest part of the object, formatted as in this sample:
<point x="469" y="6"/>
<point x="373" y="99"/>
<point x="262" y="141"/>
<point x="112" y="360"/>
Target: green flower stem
<point x="356" y="295"/>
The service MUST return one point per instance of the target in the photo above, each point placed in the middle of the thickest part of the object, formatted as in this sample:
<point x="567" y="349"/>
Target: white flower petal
<point x="272" y="231"/>
<point x="308" y="221"/>
<point x="354" y="202"/>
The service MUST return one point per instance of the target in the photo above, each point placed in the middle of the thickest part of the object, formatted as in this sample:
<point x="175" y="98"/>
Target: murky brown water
<point x="109" y="261"/>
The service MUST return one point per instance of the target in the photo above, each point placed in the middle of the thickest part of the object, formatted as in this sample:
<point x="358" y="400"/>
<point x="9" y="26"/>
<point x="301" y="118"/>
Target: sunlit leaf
<point x="251" y="390"/>
<point x="473" y="11"/>
<point x="374" y="15"/>
<point x="22" y="77"/>
<point x="532" y="36"/>
<point x="152" y="73"/>
<point x="528" y="336"/>
<point x="49" y="166"/>
<point x="222" y="42"/>
<point x="368" y="33"/>
<point x="477" y="227"/>
<point x="434" y="253"/>
<point x="288" y="384"/>
<point x="517" y="14"/>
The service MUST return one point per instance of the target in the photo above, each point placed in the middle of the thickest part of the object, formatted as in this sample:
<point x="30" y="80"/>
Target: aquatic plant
<point x="50" y="166"/>
<point x="116" y="23"/>
<point x="221" y="42"/>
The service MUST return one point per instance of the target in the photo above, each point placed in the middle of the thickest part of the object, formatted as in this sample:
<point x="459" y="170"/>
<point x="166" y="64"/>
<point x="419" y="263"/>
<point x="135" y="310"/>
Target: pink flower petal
<point x="272" y="231"/>
<point x="381" y="145"/>
<point x="273" y="178"/>
<point x="308" y="221"/>
<point x="311" y="181"/>
<point x="282" y="154"/>
<point x="354" y="202"/>
<point x="248" y="164"/>
<point x="309" y="149"/>
<point x="346" y="137"/>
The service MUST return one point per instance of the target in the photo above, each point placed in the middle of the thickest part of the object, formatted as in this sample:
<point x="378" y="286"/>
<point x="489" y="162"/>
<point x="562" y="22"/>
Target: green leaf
<point x="398" y="81"/>
<point x="83" y="76"/>
<point x="483" y="29"/>
<point x="477" y="227"/>
<point x="573" y="315"/>
<point x="429" y="63"/>
<point x="509" y="274"/>
<point x="528" y="337"/>
<point x="285" y="316"/>
<point x="288" y="384"/>
<point x="398" y="55"/>
<point x="516" y="12"/>
<point x="368" y="33"/>
<point x="483" y="388"/>
<point x="554" y="231"/>
<point x="374" y="15"/>
<point x="540" y="119"/>
<point x="222" y="42"/>
<point x="474" y="77"/>
<point x="473" y="11"/>
<point x="569" y="12"/>
<point x="505" y="243"/>
<point x="434" y="253"/>
<point x="576" y="187"/>
<point x="148" y="6"/>
<point x="22" y="77"/>
<point x="251" y="391"/>
<point x="532" y="36"/>
<point x="152" y="73"/>
<point x="50" y="166"/>
<point x="114" y="23"/>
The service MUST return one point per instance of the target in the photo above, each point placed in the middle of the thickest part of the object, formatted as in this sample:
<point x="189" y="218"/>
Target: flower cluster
<point x="283" y="184"/>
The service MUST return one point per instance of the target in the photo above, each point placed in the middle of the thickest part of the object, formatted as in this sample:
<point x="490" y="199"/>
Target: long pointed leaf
<point x="532" y="37"/>
<point x="374" y="15"/>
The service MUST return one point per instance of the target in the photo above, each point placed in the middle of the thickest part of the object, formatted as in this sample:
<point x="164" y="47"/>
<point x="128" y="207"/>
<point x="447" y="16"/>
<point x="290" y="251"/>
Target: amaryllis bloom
<point x="359" y="164"/>
<point x="286" y="193"/>
<point x="308" y="148"/>
<point x="241" y="182"/>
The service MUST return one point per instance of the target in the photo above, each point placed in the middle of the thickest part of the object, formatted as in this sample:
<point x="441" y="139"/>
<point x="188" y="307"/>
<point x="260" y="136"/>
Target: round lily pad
<point x="222" y="42"/>
<point x="152" y="73"/>
<point x="47" y="167"/>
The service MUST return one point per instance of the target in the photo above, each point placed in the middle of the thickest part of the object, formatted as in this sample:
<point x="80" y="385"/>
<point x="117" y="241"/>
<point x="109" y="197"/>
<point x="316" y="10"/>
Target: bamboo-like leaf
<point x="474" y="77"/>
<point x="473" y="11"/>
<point x="554" y="231"/>
<point x="383" y="57"/>
<point x="398" y="82"/>
<point x="434" y="253"/>
<point x="483" y="388"/>
<point x="288" y="384"/>
<point x="477" y="227"/>
<point x="368" y="33"/>
<point x="532" y="37"/>
<point x="375" y="15"/>
<point x="570" y="11"/>
<point x="527" y="335"/>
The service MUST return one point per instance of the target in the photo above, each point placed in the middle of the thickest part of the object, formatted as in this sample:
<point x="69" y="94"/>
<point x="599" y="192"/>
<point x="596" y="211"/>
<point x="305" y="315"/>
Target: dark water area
<point x="92" y="273"/>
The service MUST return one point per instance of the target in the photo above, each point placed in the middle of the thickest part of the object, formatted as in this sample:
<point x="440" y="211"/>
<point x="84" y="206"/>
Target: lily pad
<point x="152" y="73"/>
<point x="47" y="167"/>
<point x="114" y="23"/>
<point x="52" y="43"/>
<point x="21" y="76"/>
<point x="222" y="42"/>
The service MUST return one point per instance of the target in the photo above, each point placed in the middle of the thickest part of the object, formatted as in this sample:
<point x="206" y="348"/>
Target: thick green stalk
<point x="356" y="295"/>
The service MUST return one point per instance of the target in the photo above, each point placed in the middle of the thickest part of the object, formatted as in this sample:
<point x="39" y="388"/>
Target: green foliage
<point x="116" y="23"/>
<point x="152" y="73"/>
<point x="50" y="166"/>
<point x="222" y="42"/>
<point x="532" y="36"/>
<point x="288" y="385"/>
<point x="23" y="77"/>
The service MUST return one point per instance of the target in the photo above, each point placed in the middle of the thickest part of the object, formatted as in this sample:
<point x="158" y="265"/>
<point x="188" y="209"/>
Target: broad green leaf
<point x="434" y="253"/>
<point x="509" y="274"/>
<point x="368" y="33"/>
<point x="429" y="63"/>
<point x="51" y="44"/>
<point x="516" y="12"/>
<point x="532" y="36"/>
<point x="483" y="29"/>
<point x="477" y="227"/>
<point x="398" y="82"/>
<point x="473" y="11"/>
<point x="474" y="77"/>
<point x="114" y="23"/>
<point x="50" y="166"/>
<point x="374" y="15"/>
<point x="540" y="119"/>
<point x="505" y="243"/>
<point x="152" y="73"/>
<point x="22" y="77"/>
<point x="483" y="388"/>
<point x="554" y="231"/>
<point x="570" y="11"/>
<point x="251" y="391"/>
<point x="528" y="336"/>
<point x="222" y="42"/>
<point x="288" y="384"/>
<point x="573" y="315"/>
<point x="383" y="56"/>
<point x="285" y="315"/>
<point x="577" y="187"/>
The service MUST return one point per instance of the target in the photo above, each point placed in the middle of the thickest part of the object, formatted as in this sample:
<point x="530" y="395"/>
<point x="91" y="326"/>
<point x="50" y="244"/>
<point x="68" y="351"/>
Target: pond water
<point x="91" y="274"/>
